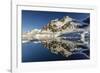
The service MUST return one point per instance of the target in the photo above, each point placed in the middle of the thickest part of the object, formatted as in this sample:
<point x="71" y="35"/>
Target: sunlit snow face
<point x="59" y="24"/>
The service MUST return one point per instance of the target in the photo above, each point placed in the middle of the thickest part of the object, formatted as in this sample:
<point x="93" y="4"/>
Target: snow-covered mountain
<point x="58" y="27"/>
<point x="66" y="24"/>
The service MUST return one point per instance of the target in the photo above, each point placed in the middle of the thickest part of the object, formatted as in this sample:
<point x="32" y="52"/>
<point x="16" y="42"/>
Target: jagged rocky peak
<point x="64" y="19"/>
<point x="59" y="24"/>
<point x="67" y="19"/>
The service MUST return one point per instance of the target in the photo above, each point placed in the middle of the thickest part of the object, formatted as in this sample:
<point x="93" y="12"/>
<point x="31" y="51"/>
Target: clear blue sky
<point x="37" y="19"/>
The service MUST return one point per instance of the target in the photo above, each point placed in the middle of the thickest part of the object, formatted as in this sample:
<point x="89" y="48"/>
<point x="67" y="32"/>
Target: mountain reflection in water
<point x="66" y="48"/>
